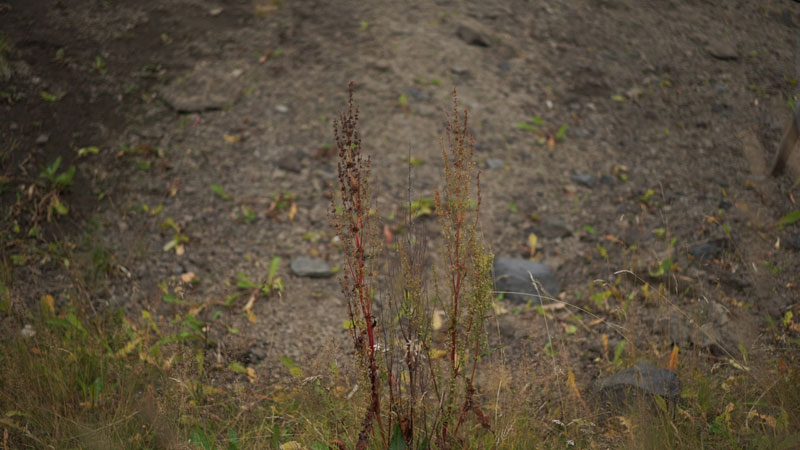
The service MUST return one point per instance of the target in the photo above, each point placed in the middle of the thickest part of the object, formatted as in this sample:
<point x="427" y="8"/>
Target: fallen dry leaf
<point x="188" y="277"/>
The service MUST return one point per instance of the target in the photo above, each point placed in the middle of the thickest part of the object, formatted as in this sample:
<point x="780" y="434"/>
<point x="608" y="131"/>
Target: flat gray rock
<point x="207" y="87"/>
<point x="311" y="267"/>
<point x="640" y="381"/>
<point x="723" y="50"/>
<point x="513" y="276"/>
<point x="550" y="228"/>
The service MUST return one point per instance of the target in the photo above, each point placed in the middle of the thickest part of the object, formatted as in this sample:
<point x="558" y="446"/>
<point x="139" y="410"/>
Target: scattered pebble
<point x="638" y="381"/>
<point x="42" y="139"/>
<point x="416" y="94"/>
<point x="471" y="36"/>
<point x="283" y="109"/>
<point x="27" y="331"/>
<point x="585" y="179"/>
<point x="550" y="228"/>
<point x="722" y="49"/>
<point x="311" y="267"/>
<point x="495" y="163"/>
<point x="513" y="276"/>
<point x="708" y="250"/>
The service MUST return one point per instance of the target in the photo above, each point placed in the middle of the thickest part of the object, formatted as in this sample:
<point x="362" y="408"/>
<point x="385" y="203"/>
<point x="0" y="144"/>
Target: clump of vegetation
<point x="399" y="348"/>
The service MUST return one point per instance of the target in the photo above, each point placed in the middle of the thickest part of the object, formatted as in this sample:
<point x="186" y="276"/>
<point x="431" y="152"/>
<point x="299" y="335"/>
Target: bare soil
<point x="674" y="108"/>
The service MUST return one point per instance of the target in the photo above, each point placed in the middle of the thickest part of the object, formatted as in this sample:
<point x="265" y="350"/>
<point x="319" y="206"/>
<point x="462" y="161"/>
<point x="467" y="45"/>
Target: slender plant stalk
<point x="356" y="230"/>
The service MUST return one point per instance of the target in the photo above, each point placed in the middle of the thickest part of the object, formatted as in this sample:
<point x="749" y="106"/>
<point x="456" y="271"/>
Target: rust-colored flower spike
<point x="356" y="230"/>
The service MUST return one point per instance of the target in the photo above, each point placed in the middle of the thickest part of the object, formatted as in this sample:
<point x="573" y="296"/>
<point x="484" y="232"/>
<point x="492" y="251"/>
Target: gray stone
<point x="416" y="94"/>
<point x="471" y="36"/>
<point x="311" y="267"/>
<point x="585" y="179"/>
<point x="722" y="49"/>
<point x="513" y="276"/>
<point x="459" y="70"/>
<point x="495" y="163"/>
<point x="708" y="250"/>
<point x="255" y="354"/>
<point x="27" y="331"/>
<point x="42" y="139"/>
<point x="678" y="328"/>
<point x="792" y="243"/>
<point x="290" y="163"/>
<point x="639" y="382"/>
<point x="550" y="228"/>
<point x="208" y="87"/>
<point x="708" y="336"/>
<point x="283" y="109"/>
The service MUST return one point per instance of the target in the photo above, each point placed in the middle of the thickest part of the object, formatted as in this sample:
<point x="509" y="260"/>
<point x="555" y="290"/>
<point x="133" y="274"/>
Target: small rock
<point x="722" y="49"/>
<point x="725" y="204"/>
<point x="381" y="65"/>
<point x="708" y="336"/>
<point x="311" y="267"/>
<point x="792" y="243"/>
<point x="42" y="139"/>
<point x="255" y="354"/>
<point x="678" y="328"/>
<point x="495" y="163"/>
<point x="580" y="133"/>
<point x="550" y="228"/>
<point x="640" y="381"/>
<point x="709" y="249"/>
<point x="504" y="66"/>
<point x="27" y="331"/>
<point x="459" y="70"/>
<point x="283" y="109"/>
<point x="290" y="163"/>
<point x="585" y="179"/>
<point x="416" y="94"/>
<point x="607" y="180"/>
<point x="513" y="276"/>
<point x="471" y="36"/>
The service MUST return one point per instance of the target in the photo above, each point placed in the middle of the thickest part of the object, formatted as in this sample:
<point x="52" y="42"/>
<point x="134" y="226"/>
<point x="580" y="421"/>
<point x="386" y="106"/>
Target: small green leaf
<point x="618" y="350"/>
<point x="233" y="440"/>
<point x="561" y="133"/>
<point x="536" y="120"/>
<point x="243" y="281"/>
<point x="571" y="329"/>
<point x="237" y="367"/>
<point x="402" y="100"/>
<point x="397" y="442"/>
<point x="60" y="208"/>
<point x="524" y="126"/>
<point x="789" y="219"/>
<point x="513" y="207"/>
<point x="219" y="191"/>
<point x="274" y="264"/>
<point x="198" y="437"/>
<point x="171" y="298"/>
<point x="86" y="151"/>
<point x="618" y="98"/>
<point x="294" y="370"/>
<point x="48" y="97"/>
